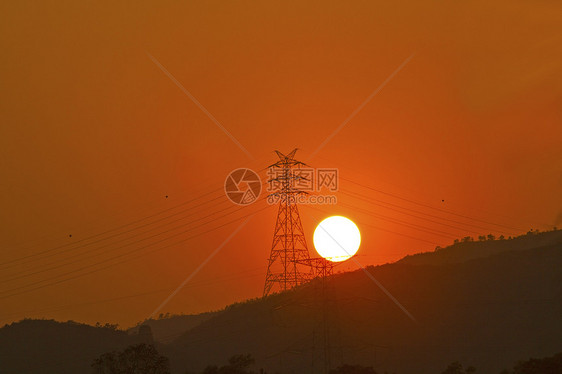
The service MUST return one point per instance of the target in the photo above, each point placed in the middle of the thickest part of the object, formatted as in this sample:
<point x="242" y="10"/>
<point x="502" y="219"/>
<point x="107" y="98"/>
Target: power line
<point x="115" y="257"/>
<point x="72" y="246"/>
<point x="381" y="204"/>
<point x="76" y="246"/>
<point x="107" y="231"/>
<point x="152" y="292"/>
<point x="430" y="207"/>
<point x="414" y="226"/>
<point x="381" y="229"/>
<point x="81" y="254"/>
<point x="118" y="227"/>
<point x="43" y="269"/>
<point x="134" y="250"/>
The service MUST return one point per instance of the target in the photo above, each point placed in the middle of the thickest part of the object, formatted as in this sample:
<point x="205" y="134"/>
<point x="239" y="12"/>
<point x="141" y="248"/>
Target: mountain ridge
<point x="487" y="311"/>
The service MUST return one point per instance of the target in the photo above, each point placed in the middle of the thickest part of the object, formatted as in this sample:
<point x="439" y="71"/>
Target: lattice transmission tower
<point x="289" y="260"/>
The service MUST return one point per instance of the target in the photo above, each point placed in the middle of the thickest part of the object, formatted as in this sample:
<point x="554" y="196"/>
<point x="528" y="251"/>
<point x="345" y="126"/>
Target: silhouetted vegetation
<point x="468" y="248"/>
<point x="353" y="369"/>
<point x="237" y="364"/>
<point x="240" y="364"/>
<point x="172" y="324"/>
<point x="547" y="365"/>
<point x="457" y="368"/>
<point x="108" y="326"/>
<point x="136" y="359"/>
<point x="492" y="237"/>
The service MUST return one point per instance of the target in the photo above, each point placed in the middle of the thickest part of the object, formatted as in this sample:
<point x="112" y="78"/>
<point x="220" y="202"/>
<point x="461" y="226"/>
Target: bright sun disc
<point x="337" y="238"/>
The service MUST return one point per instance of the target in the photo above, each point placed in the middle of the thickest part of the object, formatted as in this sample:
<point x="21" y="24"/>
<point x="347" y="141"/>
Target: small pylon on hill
<point x="320" y="267"/>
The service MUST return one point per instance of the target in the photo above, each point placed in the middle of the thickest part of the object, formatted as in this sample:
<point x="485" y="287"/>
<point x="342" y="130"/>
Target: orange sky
<point x="93" y="135"/>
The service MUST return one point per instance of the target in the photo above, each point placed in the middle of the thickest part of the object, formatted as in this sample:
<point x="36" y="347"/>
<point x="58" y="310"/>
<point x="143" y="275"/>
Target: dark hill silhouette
<point x="487" y="312"/>
<point x="489" y="308"/>
<point x="169" y="327"/>
<point x="47" y="346"/>
<point x="468" y="249"/>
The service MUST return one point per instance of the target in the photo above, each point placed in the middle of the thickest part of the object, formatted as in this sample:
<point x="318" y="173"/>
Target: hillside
<point x="166" y="328"/>
<point x="47" y="346"/>
<point x="486" y="304"/>
<point x="469" y="249"/>
<point x="487" y="312"/>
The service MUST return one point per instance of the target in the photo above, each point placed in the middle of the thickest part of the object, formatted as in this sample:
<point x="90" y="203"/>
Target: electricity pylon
<point x="288" y="264"/>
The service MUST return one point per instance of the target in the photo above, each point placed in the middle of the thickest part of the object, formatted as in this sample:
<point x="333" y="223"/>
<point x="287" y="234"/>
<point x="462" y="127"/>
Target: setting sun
<point x="337" y="238"/>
